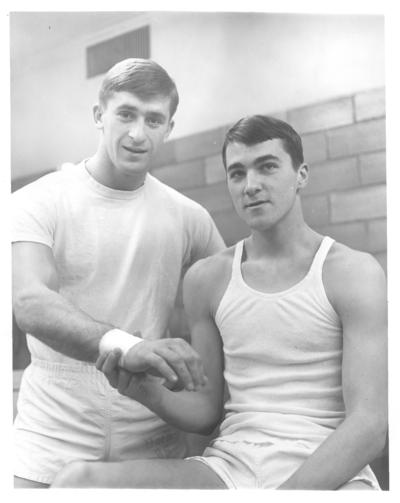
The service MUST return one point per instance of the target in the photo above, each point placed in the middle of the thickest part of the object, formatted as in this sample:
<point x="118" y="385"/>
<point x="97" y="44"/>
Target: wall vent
<point x="102" y="56"/>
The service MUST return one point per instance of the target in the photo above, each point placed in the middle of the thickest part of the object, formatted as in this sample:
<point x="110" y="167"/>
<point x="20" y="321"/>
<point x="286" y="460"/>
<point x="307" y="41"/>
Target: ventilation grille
<point x="101" y="57"/>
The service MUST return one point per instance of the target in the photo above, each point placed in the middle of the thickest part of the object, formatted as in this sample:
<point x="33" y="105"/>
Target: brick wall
<point x="344" y="144"/>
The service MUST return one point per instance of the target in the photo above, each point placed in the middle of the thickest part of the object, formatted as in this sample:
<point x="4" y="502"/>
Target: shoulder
<point x="50" y="183"/>
<point x="208" y="278"/>
<point x="351" y="275"/>
<point x="179" y="200"/>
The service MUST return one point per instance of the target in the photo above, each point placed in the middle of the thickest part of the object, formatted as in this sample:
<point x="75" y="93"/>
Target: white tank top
<point x="283" y="354"/>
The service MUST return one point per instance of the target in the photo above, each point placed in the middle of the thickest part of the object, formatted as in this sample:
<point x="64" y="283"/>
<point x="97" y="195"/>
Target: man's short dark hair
<point x="259" y="128"/>
<point x="143" y="77"/>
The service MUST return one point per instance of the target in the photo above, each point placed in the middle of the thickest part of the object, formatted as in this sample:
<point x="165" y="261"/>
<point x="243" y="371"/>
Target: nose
<point x="136" y="131"/>
<point x="253" y="185"/>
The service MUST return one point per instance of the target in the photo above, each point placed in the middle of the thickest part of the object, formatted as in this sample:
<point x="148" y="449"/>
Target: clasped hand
<point x="173" y="359"/>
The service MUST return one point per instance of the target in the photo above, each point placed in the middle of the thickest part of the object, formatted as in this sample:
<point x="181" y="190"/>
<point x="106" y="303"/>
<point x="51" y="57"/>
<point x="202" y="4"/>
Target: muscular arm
<point x="41" y="311"/>
<point x="357" y="290"/>
<point x="198" y="411"/>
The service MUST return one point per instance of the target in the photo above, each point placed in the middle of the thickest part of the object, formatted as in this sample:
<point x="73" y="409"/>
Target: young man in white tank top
<point x="294" y="322"/>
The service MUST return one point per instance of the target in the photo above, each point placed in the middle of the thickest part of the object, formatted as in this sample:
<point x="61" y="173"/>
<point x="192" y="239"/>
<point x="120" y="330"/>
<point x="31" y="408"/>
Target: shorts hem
<point x="34" y="477"/>
<point x="220" y="473"/>
<point x="371" y="483"/>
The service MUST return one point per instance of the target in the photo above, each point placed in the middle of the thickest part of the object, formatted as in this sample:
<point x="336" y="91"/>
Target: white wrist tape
<point x="116" y="338"/>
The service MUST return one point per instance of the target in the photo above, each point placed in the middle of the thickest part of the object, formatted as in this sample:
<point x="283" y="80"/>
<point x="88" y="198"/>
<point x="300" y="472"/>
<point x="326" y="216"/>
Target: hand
<point x="173" y="359"/>
<point x="125" y="382"/>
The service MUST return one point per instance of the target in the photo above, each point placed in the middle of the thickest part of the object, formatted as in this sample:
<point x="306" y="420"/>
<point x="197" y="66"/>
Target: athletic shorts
<point x="70" y="412"/>
<point x="247" y="465"/>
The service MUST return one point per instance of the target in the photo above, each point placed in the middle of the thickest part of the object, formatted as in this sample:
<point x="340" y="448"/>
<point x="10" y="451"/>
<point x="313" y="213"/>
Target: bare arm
<point x="358" y="293"/>
<point x="41" y="311"/>
<point x="196" y="412"/>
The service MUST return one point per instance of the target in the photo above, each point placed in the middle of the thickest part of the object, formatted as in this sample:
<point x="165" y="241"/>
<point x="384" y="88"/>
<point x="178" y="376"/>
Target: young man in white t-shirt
<point x="294" y="322"/>
<point x="99" y="249"/>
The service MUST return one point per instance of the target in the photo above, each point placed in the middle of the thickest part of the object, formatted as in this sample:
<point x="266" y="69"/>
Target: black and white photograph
<point x="199" y="270"/>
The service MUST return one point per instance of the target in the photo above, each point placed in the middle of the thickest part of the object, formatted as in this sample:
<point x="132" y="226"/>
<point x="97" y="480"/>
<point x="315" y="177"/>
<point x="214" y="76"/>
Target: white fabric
<point x="118" y="339"/>
<point x="283" y="354"/>
<point x="119" y="257"/>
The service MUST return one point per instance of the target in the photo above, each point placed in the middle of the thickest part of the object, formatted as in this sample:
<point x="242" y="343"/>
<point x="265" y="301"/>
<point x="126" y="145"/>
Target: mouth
<point x="135" y="151"/>
<point x="255" y="204"/>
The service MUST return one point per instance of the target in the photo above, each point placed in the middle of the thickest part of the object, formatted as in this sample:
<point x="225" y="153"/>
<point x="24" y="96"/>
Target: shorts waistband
<point x="77" y="367"/>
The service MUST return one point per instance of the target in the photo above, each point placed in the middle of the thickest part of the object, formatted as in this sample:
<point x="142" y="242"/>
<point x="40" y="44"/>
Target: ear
<point x="170" y="128"/>
<point x="302" y="176"/>
<point x="98" y="116"/>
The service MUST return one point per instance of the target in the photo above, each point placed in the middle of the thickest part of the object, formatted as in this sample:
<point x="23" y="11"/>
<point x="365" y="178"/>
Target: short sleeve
<point x="33" y="213"/>
<point x="205" y="239"/>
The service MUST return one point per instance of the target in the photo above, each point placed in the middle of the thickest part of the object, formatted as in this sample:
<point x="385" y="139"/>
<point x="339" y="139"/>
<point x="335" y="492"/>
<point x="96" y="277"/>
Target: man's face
<point x="133" y="131"/>
<point x="263" y="182"/>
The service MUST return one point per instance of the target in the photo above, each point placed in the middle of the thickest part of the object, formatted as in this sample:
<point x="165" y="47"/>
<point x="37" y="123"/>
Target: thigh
<point x="356" y="485"/>
<point x="20" y="483"/>
<point x="141" y="474"/>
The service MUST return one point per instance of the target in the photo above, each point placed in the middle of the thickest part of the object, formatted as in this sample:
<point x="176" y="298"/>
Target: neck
<point x="284" y="238"/>
<point x="103" y="171"/>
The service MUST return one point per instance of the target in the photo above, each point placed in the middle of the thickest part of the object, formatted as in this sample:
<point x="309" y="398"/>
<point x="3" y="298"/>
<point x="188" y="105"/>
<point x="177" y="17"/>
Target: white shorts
<point x="247" y="465"/>
<point x="70" y="412"/>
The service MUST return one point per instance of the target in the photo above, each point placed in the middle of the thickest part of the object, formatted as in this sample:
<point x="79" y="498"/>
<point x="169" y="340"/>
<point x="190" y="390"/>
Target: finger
<point x="110" y="367"/>
<point x="157" y="365"/>
<point x="193" y="363"/>
<point x="124" y="380"/>
<point x="100" y="360"/>
<point x="178" y="363"/>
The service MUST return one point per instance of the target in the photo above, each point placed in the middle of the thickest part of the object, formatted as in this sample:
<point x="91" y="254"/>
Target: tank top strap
<point x="237" y="260"/>
<point x="321" y="254"/>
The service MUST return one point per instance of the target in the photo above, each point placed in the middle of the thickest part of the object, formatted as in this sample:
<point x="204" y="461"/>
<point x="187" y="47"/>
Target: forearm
<point x="58" y="323"/>
<point x="355" y="443"/>
<point x="190" y="411"/>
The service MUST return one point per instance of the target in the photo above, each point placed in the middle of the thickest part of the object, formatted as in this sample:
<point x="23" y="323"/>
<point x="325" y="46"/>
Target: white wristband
<point x="116" y="338"/>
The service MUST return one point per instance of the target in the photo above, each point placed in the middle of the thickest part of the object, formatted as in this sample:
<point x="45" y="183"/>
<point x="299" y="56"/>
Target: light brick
<point x="314" y="147"/>
<point x="370" y="104"/>
<point x="213" y="197"/>
<point x="200" y="145"/>
<point x="357" y="138"/>
<point x="353" y="234"/>
<point x="333" y="175"/>
<point x="360" y="204"/>
<point x="377" y="235"/>
<point x="315" y="210"/>
<point x="322" y="116"/>
<point x="231" y="227"/>
<point x="165" y="156"/>
<point x="373" y="168"/>
<point x="214" y="169"/>
<point x="180" y="176"/>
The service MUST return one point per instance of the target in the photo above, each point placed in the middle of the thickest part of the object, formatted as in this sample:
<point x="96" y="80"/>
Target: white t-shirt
<point x="119" y="254"/>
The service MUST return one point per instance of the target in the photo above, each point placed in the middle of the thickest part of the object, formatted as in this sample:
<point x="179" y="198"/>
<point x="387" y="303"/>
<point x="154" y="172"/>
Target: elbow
<point x="375" y="434"/>
<point x="23" y="304"/>
<point x="380" y="433"/>
<point x="209" y="423"/>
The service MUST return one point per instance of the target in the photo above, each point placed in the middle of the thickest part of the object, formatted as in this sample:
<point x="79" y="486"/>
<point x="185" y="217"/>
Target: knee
<point x="75" y="474"/>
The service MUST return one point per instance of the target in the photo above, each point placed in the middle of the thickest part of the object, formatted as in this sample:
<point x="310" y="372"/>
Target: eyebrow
<point x="257" y="160"/>
<point x="153" y="113"/>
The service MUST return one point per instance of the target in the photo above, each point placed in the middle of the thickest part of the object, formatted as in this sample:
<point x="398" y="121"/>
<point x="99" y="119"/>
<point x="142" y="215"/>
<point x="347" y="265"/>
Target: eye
<point x="268" y="166"/>
<point x="155" y="122"/>
<point x="236" y="174"/>
<point x="125" y="115"/>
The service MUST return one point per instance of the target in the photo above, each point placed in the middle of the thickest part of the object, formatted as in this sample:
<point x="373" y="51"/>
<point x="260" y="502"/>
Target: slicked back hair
<point x="144" y="78"/>
<point x="259" y="128"/>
